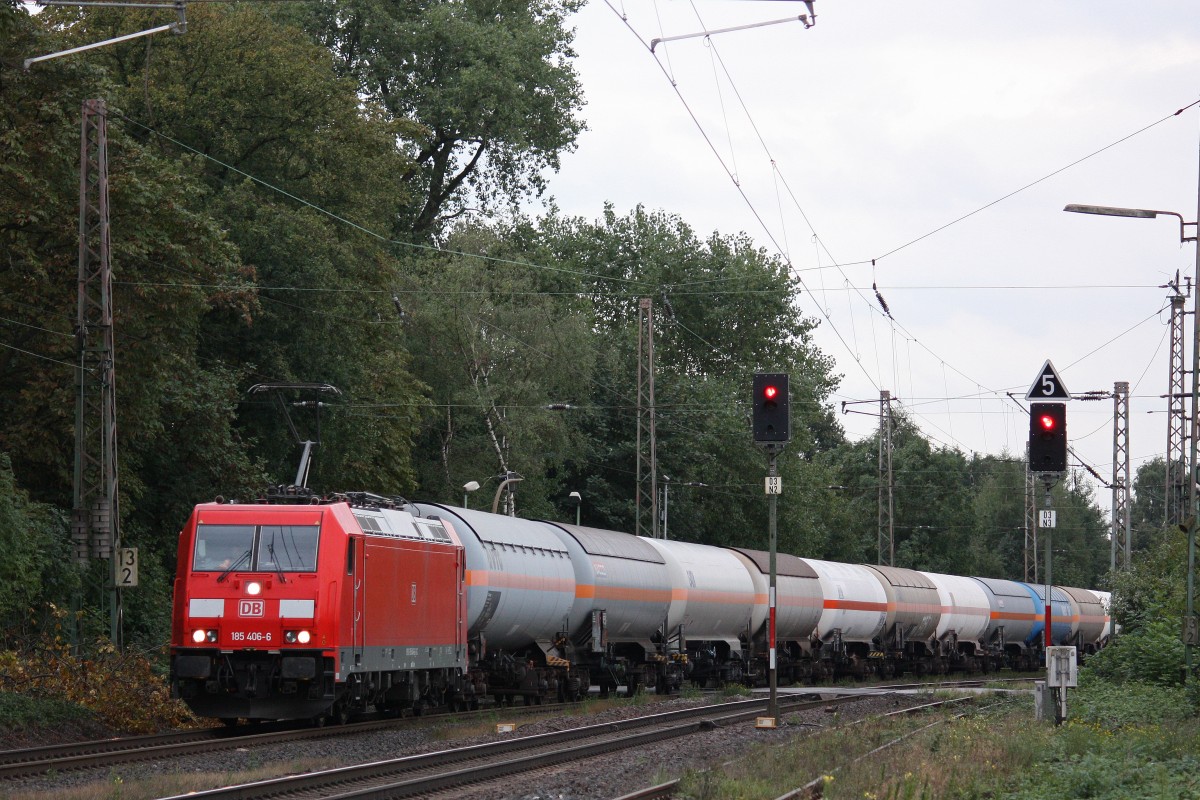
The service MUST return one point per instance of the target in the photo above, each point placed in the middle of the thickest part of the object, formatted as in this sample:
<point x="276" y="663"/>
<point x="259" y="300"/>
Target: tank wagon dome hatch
<point x="900" y="576"/>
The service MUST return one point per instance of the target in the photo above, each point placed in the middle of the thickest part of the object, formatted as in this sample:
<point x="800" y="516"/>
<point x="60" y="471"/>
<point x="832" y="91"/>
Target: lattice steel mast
<point x="95" y="517"/>
<point x="1176" y="473"/>
<point x="1121" y="529"/>
<point x="887" y="529"/>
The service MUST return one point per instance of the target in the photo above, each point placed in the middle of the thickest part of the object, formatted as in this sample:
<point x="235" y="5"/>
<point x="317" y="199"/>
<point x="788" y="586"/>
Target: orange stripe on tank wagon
<point x="626" y="593"/>
<point x="725" y="598"/>
<point x="855" y="605"/>
<point x="509" y="580"/>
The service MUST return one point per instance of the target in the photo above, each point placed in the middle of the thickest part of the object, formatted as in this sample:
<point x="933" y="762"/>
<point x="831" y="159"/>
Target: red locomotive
<point x="295" y="611"/>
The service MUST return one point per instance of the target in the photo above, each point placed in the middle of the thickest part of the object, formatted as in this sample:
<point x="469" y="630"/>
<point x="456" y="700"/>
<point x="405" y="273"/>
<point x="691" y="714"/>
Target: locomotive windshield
<point x="256" y="548"/>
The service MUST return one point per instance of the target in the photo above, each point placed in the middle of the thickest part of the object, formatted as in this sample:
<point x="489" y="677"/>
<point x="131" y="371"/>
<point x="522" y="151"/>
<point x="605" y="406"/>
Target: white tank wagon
<point x="1105" y="599"/>
<point x="854" y="611"/>
<point x="966" y="615"/>
<point x="622" y="602"/>
<point x="798" y="607"/>
<point x="712" y="604"/>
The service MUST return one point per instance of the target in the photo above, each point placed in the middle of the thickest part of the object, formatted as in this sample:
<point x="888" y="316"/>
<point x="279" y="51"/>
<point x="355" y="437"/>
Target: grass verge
<point x="1119" y="742"/>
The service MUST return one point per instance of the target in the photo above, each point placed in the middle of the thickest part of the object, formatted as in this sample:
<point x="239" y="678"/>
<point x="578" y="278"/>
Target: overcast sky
<point x="887" y="121"/>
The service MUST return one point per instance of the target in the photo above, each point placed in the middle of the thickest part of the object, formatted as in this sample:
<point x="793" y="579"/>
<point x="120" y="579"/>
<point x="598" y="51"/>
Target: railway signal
<point x="772" y="408"/>
<point x="1047" y="437"/>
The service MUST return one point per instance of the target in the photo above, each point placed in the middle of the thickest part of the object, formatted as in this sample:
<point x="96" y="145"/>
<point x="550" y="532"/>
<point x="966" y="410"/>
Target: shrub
<point x="1152" y="653"/>
<point x="121" y="688"/>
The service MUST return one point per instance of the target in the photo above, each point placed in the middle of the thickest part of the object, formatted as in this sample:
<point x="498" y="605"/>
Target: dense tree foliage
<point x="485" y="88"/>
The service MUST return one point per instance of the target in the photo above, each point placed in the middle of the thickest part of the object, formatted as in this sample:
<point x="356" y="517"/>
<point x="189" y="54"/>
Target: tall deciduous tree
<point x="300" y="175"/>
<point x="486" y="86"/>
<point x="723" y="309"/>
<point x="172" y="416"/>
<point x="499" y="338"/>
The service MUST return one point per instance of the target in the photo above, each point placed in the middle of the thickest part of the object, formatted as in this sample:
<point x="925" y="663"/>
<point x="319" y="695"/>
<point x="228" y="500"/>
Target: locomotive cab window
<point x="256" y="548"/>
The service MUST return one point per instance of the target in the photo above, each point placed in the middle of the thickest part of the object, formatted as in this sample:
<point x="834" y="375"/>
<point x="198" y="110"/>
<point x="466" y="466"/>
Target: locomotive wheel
<point x="340" y="713"/>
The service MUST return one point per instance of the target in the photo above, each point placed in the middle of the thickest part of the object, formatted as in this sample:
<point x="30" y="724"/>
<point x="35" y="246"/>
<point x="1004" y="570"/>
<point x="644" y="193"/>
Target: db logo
<point x="251" y="608"/>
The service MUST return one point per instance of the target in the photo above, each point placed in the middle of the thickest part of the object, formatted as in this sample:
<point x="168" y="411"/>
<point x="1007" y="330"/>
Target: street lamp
<point x="576" y="499"/>
<point x="1190" y="632"/>
<point x="469" y="487"/>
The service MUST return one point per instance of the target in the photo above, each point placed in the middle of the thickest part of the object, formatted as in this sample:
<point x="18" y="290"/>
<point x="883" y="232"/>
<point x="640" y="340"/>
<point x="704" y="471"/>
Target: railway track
<point x="449" y="769"/>
<point x="112" y="753"/>
<point x="106" y="753"/>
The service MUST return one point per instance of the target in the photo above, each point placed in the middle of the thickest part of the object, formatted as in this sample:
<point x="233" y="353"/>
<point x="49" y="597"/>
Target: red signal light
<point x="1048" y="422"/>
<point x="770" y="414"/>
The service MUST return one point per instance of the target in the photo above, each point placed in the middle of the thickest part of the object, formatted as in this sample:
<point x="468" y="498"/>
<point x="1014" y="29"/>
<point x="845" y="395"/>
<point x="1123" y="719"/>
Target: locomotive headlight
<point x="292" y="637"/>
<point x="253" y="588"/>
<point x="200" y="636"/>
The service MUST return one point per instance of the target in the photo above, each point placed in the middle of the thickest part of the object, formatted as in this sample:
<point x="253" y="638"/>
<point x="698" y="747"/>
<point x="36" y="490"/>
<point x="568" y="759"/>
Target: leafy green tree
<point x="1148" y="603"/>
<point x="997" y="541"/>
<point x="722" y="311"/>
<point x="485" y="88"/>
<point x="219" y="283"/>
<point x="35" y="543"/>
<point x="165" y="250"/>
<point x="498" y="339"/>
<point x="1147" y="509"/>
<point x="298" y="175"/>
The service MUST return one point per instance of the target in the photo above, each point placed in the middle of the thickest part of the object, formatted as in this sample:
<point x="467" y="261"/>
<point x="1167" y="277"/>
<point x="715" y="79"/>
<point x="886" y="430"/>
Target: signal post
<point x="1048" y="458"/>
<point x="772" y="428"/>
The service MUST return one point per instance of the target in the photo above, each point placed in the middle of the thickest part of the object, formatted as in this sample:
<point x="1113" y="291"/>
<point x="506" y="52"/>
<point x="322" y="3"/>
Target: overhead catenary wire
<point x="775" y="169"/>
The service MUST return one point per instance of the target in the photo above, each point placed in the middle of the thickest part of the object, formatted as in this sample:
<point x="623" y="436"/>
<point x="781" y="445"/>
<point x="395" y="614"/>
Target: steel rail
<point x="393" y="778"/>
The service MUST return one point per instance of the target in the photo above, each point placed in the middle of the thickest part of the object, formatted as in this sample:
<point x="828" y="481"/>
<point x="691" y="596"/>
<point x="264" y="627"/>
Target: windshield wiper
<point x="244" y="557"/>
<point x="275" y="561"/>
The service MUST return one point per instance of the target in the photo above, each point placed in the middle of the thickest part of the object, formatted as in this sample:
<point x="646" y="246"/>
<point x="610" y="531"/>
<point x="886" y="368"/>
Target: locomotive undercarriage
<point x="267" y="686"/>
<point x="253" y="686"/>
